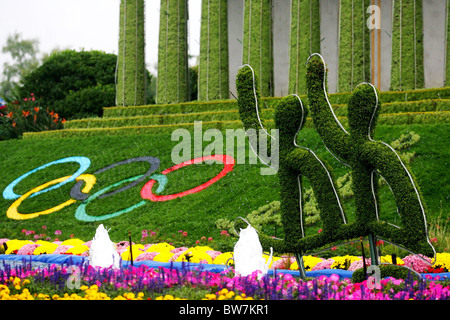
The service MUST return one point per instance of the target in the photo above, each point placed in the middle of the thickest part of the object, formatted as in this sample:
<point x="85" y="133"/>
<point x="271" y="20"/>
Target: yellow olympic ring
<point x="12" y="212"/>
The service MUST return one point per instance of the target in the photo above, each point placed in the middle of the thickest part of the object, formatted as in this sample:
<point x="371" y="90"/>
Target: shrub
<point x="67" y="72"/>
<point x="87" y="102"/>
<point x="27" y="116"/>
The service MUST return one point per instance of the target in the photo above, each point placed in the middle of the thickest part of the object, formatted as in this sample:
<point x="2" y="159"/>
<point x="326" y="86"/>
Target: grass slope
<point x="237" y="194"/>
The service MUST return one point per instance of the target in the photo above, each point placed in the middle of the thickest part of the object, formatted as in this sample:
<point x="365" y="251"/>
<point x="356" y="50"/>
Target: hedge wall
<point x="257" y="44"/>
<point x="305" y="38"/>
<point x="213" y="67"/>
<point x="354" y="44"/>
<point x="407" y="70"/>
<point x="131" y="77"/>
<point x="173" y="70"/>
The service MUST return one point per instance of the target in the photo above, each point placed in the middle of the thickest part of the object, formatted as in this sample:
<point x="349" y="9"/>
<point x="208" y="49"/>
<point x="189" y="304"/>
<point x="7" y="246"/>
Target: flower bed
<point x="139" y="283"/>
<point x="162" y="271"/>
<point x="164" y="252"/>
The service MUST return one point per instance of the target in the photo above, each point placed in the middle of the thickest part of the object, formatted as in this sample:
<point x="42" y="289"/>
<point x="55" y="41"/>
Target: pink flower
<point x="185" y="233"/>
<point x="62" y="249"/>
<point x="58" y="232"/>
<point x="417" y="263"/>
<point x="27" y="249"/>
<point x="146" y="256"/>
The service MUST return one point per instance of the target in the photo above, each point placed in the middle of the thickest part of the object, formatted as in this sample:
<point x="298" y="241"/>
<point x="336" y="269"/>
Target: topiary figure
<point x="366" y="157"/>
<point x="355" y="148"/>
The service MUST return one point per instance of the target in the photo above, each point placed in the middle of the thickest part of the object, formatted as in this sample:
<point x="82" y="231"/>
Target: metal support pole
<point x="373" y="250"/>
<point x="301" y="266"/>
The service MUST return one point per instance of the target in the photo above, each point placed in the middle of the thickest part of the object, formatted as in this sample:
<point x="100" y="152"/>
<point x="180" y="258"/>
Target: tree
<point x="74" y="84"/>
<point x="24" y="60"/>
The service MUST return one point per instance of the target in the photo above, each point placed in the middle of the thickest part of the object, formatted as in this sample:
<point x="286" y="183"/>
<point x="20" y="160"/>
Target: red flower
<point x="26" y="113"/>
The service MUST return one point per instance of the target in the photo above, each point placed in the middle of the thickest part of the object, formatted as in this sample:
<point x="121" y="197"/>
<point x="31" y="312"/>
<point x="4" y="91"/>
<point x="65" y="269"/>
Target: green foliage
<point x="67" y="72"/>
<point x="305" y="38"/>
<point x="213" y="68"/>
<point x="173" y="71"/>
<point x="131" y="72"/>
<point x="407" y="71"/>
<point x="257" y="44"/>
<point x="267" y="216"/>
<point x="27" y="116"/>
<point x="88" y="102"/>
<point x="354" y="45"/>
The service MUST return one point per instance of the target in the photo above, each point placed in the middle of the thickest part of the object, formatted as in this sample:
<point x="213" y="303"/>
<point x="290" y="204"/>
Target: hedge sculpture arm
<point x="333" y="134"/>
<point x="249" y="112"/>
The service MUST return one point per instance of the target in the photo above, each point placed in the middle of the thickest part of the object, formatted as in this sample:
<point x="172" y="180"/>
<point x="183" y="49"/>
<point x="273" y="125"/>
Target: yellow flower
<point x="223" y="258"/>
<point x="161" y="247"/>
<point x="163" y="257"/>
<point x="443" y="260"/>
<point x="310" y="262"/>
<point x="136" y="252"/>
<point x="14" y="245"/>
<point x="388" y="259"/>
<point x="45" y="248"/>
<point x="78" y="249"/>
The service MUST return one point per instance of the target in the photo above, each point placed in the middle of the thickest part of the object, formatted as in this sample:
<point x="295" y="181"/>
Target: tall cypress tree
<point x="131" y="86"/>
<point x="354" y="44"/>
<point x="257" y="44"/>
<point x="407" y="45"/>
<point x="173" y="69"/>
<point x="213" y="69"/>
<point x="305" y="39"/>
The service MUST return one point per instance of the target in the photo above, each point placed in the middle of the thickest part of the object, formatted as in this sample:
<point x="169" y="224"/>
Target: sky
<point x="84" y="24"/>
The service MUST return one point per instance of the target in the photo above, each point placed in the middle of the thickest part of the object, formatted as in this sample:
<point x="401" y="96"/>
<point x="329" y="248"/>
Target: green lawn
<point x="242" y="190"/>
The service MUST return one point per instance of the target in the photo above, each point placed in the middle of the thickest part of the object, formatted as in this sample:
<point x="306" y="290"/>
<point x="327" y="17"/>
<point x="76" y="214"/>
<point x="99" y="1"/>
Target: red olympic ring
<point x="228" y="161"/>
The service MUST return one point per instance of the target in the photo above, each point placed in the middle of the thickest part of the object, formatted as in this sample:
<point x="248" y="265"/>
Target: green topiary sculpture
<point x="257" y="42"/>
<point x="213" y="67"/>
<point x="131" y="72"/>
<point x="173" y="69"/>
<point x="356" y="148"/>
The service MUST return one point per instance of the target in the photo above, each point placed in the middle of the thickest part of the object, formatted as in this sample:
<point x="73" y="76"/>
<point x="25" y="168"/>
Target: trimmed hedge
<point x="131" y="72"/>
<point x="257" y="44"/>
<point x="305" y="38"/>
<point x="407" y="71"/>
<point x="354" y="45"/>
<point x="173" y="71"/>
<point x="213" y="67"/>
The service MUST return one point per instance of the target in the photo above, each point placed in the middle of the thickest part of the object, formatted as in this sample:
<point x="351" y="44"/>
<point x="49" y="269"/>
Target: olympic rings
<point x="228" y="161"/>
<point x="12" y="212"/>
<point x="81" y="214"/>
<point x="84" y="163"/>
<point x="77" y="193"/>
